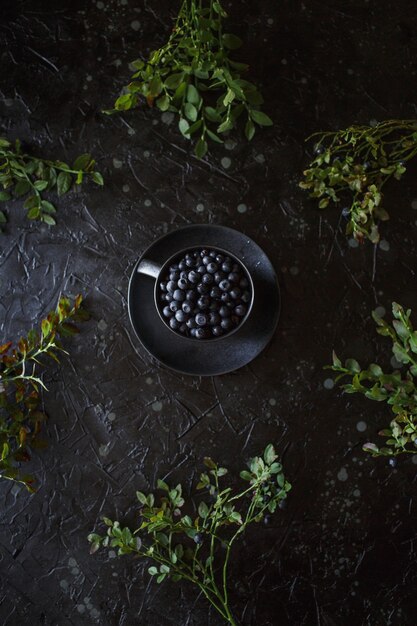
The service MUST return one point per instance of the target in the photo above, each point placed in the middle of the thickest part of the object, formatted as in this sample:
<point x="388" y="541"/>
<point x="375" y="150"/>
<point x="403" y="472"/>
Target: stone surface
<point x="343" y="551"/>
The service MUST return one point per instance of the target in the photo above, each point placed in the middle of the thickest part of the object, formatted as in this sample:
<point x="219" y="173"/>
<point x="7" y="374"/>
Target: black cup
<point x="158" y="272"/>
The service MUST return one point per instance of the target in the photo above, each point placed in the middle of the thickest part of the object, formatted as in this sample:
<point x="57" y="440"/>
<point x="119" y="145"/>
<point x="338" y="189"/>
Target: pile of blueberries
<point x="205" y="295"/>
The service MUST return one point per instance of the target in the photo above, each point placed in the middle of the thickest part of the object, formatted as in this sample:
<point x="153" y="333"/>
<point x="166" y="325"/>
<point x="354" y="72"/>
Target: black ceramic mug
<point x="158" y="273"/>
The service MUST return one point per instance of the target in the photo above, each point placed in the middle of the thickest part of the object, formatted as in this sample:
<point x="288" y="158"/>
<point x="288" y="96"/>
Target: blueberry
<point x="201" y="319"/>
<point x="186" y="307"/>
<point x="206" y="260"/>
<point x="167" y="297"/>
<point x="219" y="276"/>
<point x="235" y="293"/>
<point x="202" y="288"/>
<point x="190" y="262"/>
<point x="219" y="258"/>
<point x="213" y="254"/>
<point x="214" y="318"/>
<point x="224" y="311"/>
<point x="234" y="277"/>
<point x="215" y="292"/>
<point x="163" y="286"/>
<point x="203" y="302"/>
<point x="183" y="329"/>
<point x="166" y="312"/>
<point x="182" y="265"/>
<point x="226" y="323"/>
<point x="224" y="285"/>
<point x="201" y="333"/>
<point x="174" y="306"/>
<point x="191" y="323"/>
<point x="207" y="279"/>
<point x="201" y="269"/>
<point x="204" y="253"/>
<point x="180" y="316"/>
<point x="225" y="297"/>
<point x="173" y="268"/>
<point x="179" y="295"/>
<point x="174" y="324"/>
<point x="184" y="275"/>
<point x="217" y="331"/>
<point x="190" y="295"/>
<point x="393" y="462"/>
<point x="193" y="277"/>
<point x="183" y="283"/>
<point x="171" y="286"/>
<point x="246" y="297"/>
<point x="174" y="275"/>
<point x="346" y="212"/>
<point x="243" y="283"/>
<point x="214" y="305"/>
<point x="282" y="505"/>
<point x="212" y="268"/>
<point x="192" y="332"/>
<point x="227" y="266"/>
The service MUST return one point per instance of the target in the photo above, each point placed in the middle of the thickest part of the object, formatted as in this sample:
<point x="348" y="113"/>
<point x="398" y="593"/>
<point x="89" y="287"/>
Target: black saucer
<point x="208" y="358"/>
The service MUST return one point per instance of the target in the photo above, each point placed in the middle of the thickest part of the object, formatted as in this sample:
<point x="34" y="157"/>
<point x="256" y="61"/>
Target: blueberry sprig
<point x="30" y="176"/>
<point x="398" y="389"/>
<point x="21" y="414"/>
<point x="193" y="76"/>
<point x="355" y="163"/>
<point x="205" y="295"/>
<point x="196" y="546"/>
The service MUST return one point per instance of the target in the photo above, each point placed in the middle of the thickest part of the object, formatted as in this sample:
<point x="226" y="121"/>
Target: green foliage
<point x="397" y="389"/>
<point x="21" y="413"/>
<point x="193" y="76"/>
<point x="24" y="175"/>
<point x="196" y="547"/>
<point x="356" y="163"/>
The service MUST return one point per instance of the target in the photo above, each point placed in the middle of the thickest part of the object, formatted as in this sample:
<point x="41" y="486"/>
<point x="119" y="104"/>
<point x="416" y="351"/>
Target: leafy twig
<point x="193" y="76"/>
<point x="357" y="162"/>
<point x="30" y="176"/>
<point x="198" y="550"/>
<point x="398" y="389"/>
<point x="20" y="386"/>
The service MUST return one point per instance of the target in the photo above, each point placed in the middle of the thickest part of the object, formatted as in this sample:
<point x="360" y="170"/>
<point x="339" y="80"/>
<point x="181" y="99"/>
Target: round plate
<point x="219" y="356"/>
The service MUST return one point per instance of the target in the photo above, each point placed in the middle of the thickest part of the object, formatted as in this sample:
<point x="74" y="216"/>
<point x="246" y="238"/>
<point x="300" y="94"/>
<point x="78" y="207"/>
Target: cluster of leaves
<point x="184" y="546"/>
<point x="193" y="76"/>
<point x="21" y="414"/>
<point x="357" y="162"/>
<point x="398" y="389"/>
<point x="26" y="175"/>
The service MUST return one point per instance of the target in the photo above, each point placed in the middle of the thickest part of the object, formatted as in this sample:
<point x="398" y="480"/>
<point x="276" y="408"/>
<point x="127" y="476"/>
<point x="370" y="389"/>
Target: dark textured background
<point x="343" y="552"/>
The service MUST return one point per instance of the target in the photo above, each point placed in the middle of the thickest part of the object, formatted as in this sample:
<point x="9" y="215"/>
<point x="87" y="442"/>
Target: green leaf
<point x="34" y="213"/>
<point x="353" y="366"/>
<point x="249" y="130"/>
<point x="260" y="118"/>
<point x="231" y="41"/>
<point x="201" y="148"/>
<point x="4" y="143"/>
<point x="22" y="188"/>
<point x="229" y="97"/>
<point x="183" y="125"/>
<point x="211" y="114"/>
<point x="141" y="497"/>
<point x="3" y="218"/>
<point x="48" y="207"/>
<point x="97" y="178"/>
<point x="163" y="103"/>
<point x="64" y="182"/>
<point x="4" y="196"/>
<point x="48" y="219"/>
<point x="173" y="81"/>
<point x="226" y="125"/>
<point x="213" y="136"/>
<point x="153" y="571"/>
<point x="194" y="127"/>
<point x="162" y="485"/>
<point x="192" y="95"/>
<point x="41" y="185"/>
<point x="190" y="111"/>
<point x="203" y="510"/>
<point x="82" y="162"/>
<point x="246" y="475"/>
<point x="269" y="454"/>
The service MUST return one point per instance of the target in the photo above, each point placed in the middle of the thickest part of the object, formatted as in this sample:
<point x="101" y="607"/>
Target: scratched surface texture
<point x="343" y="552"/>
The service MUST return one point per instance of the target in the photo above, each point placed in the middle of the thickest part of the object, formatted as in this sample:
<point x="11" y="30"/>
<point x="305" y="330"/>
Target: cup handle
<point x="149" y="268"/>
